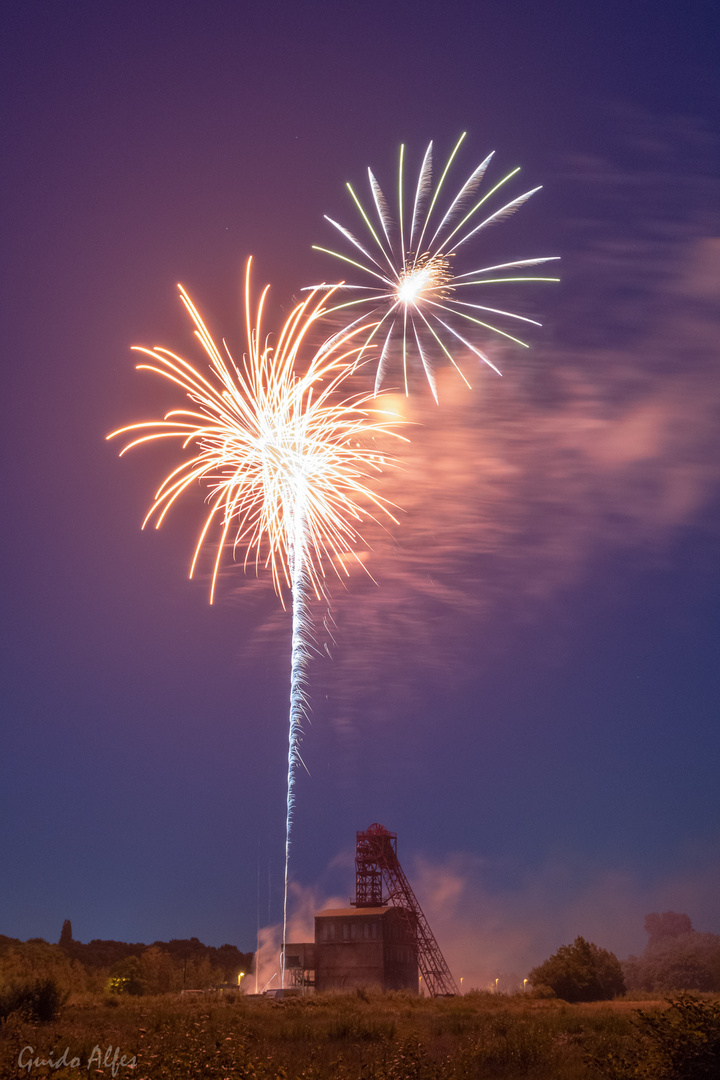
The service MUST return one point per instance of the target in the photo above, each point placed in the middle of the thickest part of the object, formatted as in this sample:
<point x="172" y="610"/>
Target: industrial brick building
<point x="385" y="943"/>
<point x="371" y="946"/>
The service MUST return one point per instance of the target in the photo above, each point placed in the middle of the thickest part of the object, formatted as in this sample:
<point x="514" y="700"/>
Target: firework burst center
<point x="424" y="278"/>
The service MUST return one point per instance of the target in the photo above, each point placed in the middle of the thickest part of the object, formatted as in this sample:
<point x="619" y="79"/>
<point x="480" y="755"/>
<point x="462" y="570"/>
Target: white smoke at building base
<point x="304" y="903"/>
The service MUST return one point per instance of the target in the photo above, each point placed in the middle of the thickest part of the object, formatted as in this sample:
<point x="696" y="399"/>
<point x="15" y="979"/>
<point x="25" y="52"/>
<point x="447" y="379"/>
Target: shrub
<point x="40" y="1001"/>
<point x="686" y="1037"/>
<point x="581" y="972"/>
<point x="681" y="1043"/>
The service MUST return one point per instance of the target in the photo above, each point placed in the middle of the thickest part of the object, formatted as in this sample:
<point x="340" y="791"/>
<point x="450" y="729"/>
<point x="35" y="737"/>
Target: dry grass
<point x="355" y="1037"/>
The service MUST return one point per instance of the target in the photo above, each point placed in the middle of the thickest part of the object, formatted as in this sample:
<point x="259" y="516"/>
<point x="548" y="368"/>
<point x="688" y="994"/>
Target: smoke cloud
<point x="510" y="495"/>
<point x="486" y="933"/>
<point x="602" y="440"/>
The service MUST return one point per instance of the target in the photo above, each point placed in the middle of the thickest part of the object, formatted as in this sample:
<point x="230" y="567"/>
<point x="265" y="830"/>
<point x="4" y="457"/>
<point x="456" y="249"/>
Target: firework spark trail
<point x="285" y="459"/>
<point x="415" y="294"/>
<point x="299" y="656"/>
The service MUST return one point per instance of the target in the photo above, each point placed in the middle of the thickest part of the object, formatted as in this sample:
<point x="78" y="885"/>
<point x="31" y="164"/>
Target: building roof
<point x="349" y="911"/>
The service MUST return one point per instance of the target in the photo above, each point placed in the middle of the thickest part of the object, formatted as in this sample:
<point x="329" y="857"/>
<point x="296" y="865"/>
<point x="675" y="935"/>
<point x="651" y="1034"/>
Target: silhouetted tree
<point x="668" y="924"/>
<point x="675" y="958"/>
<point x="581" y="972"/>
<point x="66" y="938"/>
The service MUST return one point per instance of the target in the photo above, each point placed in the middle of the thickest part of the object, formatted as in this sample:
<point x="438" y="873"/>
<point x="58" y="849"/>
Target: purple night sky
<point x="529" y="696"/>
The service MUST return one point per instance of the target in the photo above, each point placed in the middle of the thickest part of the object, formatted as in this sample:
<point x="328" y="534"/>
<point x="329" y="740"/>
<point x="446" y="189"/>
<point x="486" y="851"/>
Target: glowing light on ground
<point x="286" y="461"/>
<point x="415" y="296"/>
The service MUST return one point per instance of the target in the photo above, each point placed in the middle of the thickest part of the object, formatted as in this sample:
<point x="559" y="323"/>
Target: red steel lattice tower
<point x="376" y="862"/>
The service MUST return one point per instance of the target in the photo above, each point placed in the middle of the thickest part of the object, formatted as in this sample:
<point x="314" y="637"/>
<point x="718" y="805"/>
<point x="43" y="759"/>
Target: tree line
<point x="121" y="967"/>
<point x="676" y="958"/>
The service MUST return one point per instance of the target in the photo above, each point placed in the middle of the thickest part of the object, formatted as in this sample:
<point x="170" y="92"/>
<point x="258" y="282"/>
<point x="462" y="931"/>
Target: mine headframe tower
<point x="376" y="862"/>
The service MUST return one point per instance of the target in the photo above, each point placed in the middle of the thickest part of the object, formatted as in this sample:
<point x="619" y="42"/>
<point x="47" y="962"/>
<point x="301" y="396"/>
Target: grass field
<point x="364" y="1035"/>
